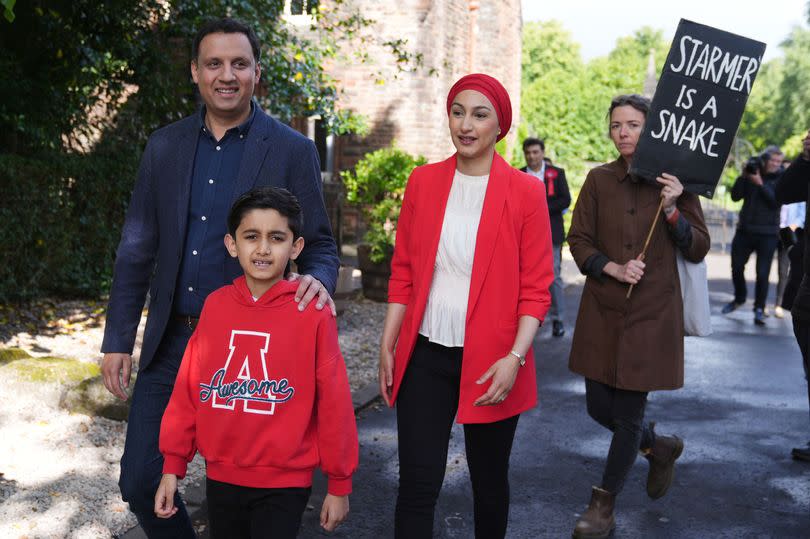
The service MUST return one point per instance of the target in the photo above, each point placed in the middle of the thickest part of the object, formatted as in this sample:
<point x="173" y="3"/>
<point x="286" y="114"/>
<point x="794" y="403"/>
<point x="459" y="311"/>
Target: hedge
<point x="61" y="218"/>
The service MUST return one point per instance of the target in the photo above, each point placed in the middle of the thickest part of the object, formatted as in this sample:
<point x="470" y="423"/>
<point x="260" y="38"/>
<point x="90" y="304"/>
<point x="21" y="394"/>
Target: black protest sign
<point x="698" y="106"/>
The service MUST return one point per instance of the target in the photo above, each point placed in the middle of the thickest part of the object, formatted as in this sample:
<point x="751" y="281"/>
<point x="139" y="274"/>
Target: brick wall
<point x="455" y="37"/>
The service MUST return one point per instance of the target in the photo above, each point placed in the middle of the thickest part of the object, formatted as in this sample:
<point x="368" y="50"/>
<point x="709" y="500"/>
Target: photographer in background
<point x="757" y="227"/>
<point x="793" y="187"/>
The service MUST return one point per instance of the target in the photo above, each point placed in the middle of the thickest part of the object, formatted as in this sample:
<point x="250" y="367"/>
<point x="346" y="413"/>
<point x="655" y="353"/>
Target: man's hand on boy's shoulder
<point x="164" y="497"/>
<point x="334" y="511"/>
<point x="308" y="288"/>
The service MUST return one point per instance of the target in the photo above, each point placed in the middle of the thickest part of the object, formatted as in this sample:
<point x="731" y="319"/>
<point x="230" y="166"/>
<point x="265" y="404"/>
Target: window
<point x="300" y="7"/>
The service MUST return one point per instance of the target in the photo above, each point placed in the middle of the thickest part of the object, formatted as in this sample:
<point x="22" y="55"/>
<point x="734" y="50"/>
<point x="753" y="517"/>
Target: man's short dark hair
<point x="267" y="198"/>
<point x="225" y="25"/>
<point x="533" y="141"/>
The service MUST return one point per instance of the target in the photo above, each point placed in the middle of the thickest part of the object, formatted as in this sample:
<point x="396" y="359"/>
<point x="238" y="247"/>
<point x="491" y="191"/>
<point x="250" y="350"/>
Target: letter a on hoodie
<point x="244" y="372"/>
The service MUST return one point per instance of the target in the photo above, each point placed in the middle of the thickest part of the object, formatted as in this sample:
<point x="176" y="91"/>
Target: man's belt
<point x="188" y="321"/>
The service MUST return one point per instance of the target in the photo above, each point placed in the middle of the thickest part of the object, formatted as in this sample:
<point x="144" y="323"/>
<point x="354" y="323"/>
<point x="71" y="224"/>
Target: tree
<point x="69" y="56"/>
<point x="792" y="112"/>
<point x="757" y="125"/>
<point x="777" y="107"/>
<point x="565" y="100"/>
<point x="548" y="46"/>
<point x="552" y="90"/>
<point x="86" y="82"/>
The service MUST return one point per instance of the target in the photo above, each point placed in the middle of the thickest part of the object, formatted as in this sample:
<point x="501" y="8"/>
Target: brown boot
<point x="662" y="456"/>
<point x="597" y="521"/>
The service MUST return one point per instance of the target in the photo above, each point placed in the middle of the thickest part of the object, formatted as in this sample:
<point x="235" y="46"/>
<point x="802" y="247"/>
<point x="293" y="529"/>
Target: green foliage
<point x="69" y="56"/>
<point x="565" y="101"/>
<point x="66" y="56"/>
<point x="376" y="187"/>
<point x="793" y="146"/>
<point x="517" y="159"/>
<point x="61" y="218"/>
<point x="91" y="80"/>
<point x="8" y="9"/>
<point x="777" y="108"/>
<point x="501" y="147"/>
<point x="546" y="46"/>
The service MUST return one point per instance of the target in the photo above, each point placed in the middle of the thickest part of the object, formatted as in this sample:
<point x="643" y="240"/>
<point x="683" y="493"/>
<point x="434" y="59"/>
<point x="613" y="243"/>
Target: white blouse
<point x="446" y="310"/>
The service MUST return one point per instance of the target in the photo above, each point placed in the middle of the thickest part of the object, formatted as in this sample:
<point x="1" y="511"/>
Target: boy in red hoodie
<point x="262" y="391"/>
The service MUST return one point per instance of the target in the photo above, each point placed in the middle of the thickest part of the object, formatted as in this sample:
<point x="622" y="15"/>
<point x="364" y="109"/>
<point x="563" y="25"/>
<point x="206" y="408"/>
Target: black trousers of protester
<point x="622" y="412"/>
<point x="801" y="329"/>
<point x="426" y="406"/>
<point x="237" y="512"/>
<point x="742" y="246"/>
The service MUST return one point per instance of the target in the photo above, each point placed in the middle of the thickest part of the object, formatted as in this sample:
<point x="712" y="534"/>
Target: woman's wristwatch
<point x="521" y="359"/>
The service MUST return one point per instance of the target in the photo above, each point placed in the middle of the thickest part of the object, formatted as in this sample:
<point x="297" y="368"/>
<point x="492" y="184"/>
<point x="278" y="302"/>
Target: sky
<point x="597" y="24"/>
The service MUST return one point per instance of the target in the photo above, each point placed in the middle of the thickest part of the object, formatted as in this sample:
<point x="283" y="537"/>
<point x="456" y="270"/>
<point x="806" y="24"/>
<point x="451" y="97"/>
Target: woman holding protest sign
<point x="626" y="346"/>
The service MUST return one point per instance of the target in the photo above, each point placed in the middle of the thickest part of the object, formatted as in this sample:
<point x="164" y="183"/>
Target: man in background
<point x="559" y="198"/>
<point x="757" y="228"/>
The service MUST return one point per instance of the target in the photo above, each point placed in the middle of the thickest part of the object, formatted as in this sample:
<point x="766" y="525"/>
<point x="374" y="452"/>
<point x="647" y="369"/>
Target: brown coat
<point x="634" y="344"/>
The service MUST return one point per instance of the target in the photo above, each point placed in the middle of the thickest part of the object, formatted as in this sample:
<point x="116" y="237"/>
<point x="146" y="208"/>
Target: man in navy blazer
<point x="558" y="198"/>
<point x="172" y="242"/>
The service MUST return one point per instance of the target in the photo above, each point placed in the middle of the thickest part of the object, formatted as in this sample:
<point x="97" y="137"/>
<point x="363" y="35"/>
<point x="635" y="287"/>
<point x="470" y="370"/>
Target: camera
<point x="754" y="165"/>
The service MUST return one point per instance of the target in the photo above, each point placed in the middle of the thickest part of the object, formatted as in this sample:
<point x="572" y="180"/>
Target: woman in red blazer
<point x="469" y="287"/>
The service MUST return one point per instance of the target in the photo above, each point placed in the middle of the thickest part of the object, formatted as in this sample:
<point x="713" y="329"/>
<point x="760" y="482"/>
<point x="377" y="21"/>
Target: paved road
<point x="743" y="407"/>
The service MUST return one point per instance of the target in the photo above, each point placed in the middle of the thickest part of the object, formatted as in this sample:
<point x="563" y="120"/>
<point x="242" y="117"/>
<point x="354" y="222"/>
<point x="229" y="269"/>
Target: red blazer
<point x="511" y="274"/>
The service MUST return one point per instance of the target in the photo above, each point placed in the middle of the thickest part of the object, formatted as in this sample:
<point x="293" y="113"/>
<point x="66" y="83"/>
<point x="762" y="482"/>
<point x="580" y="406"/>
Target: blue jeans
<point x="142" y="463"/>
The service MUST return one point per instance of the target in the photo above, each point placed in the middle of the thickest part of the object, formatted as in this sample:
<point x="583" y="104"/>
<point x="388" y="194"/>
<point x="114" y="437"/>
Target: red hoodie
<point x="262" y="392"/>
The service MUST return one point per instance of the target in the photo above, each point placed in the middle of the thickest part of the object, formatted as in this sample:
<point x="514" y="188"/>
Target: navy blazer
<point x="557" y="203"/>
<point x="154" y="231"/>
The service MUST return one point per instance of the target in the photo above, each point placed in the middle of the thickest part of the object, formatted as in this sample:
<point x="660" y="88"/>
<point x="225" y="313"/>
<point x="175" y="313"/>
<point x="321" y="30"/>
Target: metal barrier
<point x="721" y="223"/>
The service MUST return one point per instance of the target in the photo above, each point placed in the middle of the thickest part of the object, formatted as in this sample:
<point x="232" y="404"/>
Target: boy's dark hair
<point x="533" y="141"/>
<point x="267" y="198"/>
<point x="227" y="26"/>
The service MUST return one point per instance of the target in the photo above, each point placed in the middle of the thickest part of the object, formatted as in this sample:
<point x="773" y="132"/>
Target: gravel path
<point x="59" y="471"/>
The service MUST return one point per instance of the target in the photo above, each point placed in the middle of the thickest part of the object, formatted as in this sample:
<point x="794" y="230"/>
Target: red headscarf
<point x="493" y="90"/>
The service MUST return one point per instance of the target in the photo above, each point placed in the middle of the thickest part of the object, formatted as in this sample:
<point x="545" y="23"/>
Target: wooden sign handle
<point x="643" y="254"/>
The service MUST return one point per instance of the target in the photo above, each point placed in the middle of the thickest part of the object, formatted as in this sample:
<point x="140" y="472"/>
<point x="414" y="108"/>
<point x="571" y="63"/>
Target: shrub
<point x="376" y="187"/>
<point x="61" y="220"/>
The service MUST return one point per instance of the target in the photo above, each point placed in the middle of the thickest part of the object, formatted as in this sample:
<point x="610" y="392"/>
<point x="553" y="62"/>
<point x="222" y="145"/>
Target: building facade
<point x="407" y="107"/>
<point x="453" y="38"/>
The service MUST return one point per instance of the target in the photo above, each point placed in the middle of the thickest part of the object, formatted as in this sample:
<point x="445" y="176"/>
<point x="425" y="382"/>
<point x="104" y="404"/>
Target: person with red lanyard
<point x="469" y="287"/>
<point x="558" y="198"/>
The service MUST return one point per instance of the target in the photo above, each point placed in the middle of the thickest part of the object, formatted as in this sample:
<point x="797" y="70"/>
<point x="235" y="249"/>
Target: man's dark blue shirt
<point x="216" y="165"/>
